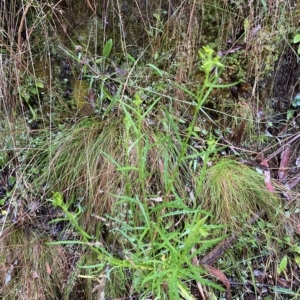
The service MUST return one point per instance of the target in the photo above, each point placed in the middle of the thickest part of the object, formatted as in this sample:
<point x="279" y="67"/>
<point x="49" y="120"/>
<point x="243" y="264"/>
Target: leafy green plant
<point x="126" y="151"/>
<point x="296" y="41"/>
<point x="96" y="162"/>
<point x="29" y="89"/>
<point x="160" y="259"/>
<point x="212" y="67"/>
<point x="91" y="66"/>
<point x="127" y="176"/>
<point x="282" y="265"/>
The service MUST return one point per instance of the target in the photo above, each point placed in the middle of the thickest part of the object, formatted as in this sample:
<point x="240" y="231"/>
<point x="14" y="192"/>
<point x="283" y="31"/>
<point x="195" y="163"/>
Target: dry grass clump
<point x="96" y="162"/>
<point x="233" y="193"/>
<point x="30" y="269"/>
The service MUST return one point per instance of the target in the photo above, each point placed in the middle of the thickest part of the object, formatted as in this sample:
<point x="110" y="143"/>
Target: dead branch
<point x="216" y="253"/>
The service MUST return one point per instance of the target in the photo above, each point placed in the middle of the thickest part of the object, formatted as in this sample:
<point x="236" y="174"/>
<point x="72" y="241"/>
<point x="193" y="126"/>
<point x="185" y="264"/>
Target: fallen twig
<point x="279" y="150"/>
<point x="216" y="253"/>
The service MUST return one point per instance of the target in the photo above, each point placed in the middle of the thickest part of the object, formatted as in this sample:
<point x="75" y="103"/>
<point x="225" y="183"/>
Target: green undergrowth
<point x="97" y="161"/>
<point x="125" y="201"/>
<point x="156" y="259"/>
<point x="144" y="202"/>
<point x="124" y="181"/>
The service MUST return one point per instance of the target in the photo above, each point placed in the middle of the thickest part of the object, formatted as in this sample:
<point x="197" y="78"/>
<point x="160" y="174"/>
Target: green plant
<point x="296" y="41"/>
<point x="159" y="259"/>
<point x="212" y="67"/>
<point x="92" y="67"/>
<point x="96" y="162"/>
<point x="134" y="174"/>
<point x="134" y="158"/>
<point x="30" y="88"/>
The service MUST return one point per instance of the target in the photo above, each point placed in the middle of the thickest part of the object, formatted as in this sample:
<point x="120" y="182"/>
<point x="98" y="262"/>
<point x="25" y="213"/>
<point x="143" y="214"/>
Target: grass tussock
<point x="30" y="269"/>
<point x="233" y="192"/>
<point x="95" y="162"/>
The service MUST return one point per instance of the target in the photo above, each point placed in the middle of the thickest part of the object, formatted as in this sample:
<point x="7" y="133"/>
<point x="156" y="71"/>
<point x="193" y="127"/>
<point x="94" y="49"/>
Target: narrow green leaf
<point x="39" y="84"/>
<point x="113" y="100"/>
<point x="295" y="249"/>
<point x="106" y="93"/>
<point x="296" y="38"/>
<point x="129" y="168"/>
<point x="131" y="58"/>
<point x="156" y="69"/>
<point x="173" y="286"/>
<point x="283" y="291"/>
<point x="297" y="259"/>
<point x="184" y="292"/>
<point x="92" y="266"/>
<point x="107" y="48"/>
<point x="282" y="265"/>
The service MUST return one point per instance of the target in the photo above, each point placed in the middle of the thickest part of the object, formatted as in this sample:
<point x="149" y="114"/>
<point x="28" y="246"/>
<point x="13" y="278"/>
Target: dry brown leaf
<point x="267" y="174"/>
<point x="284" y="162"/>
<point x="220" y="276"/>
<point x="283" y="283"/>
